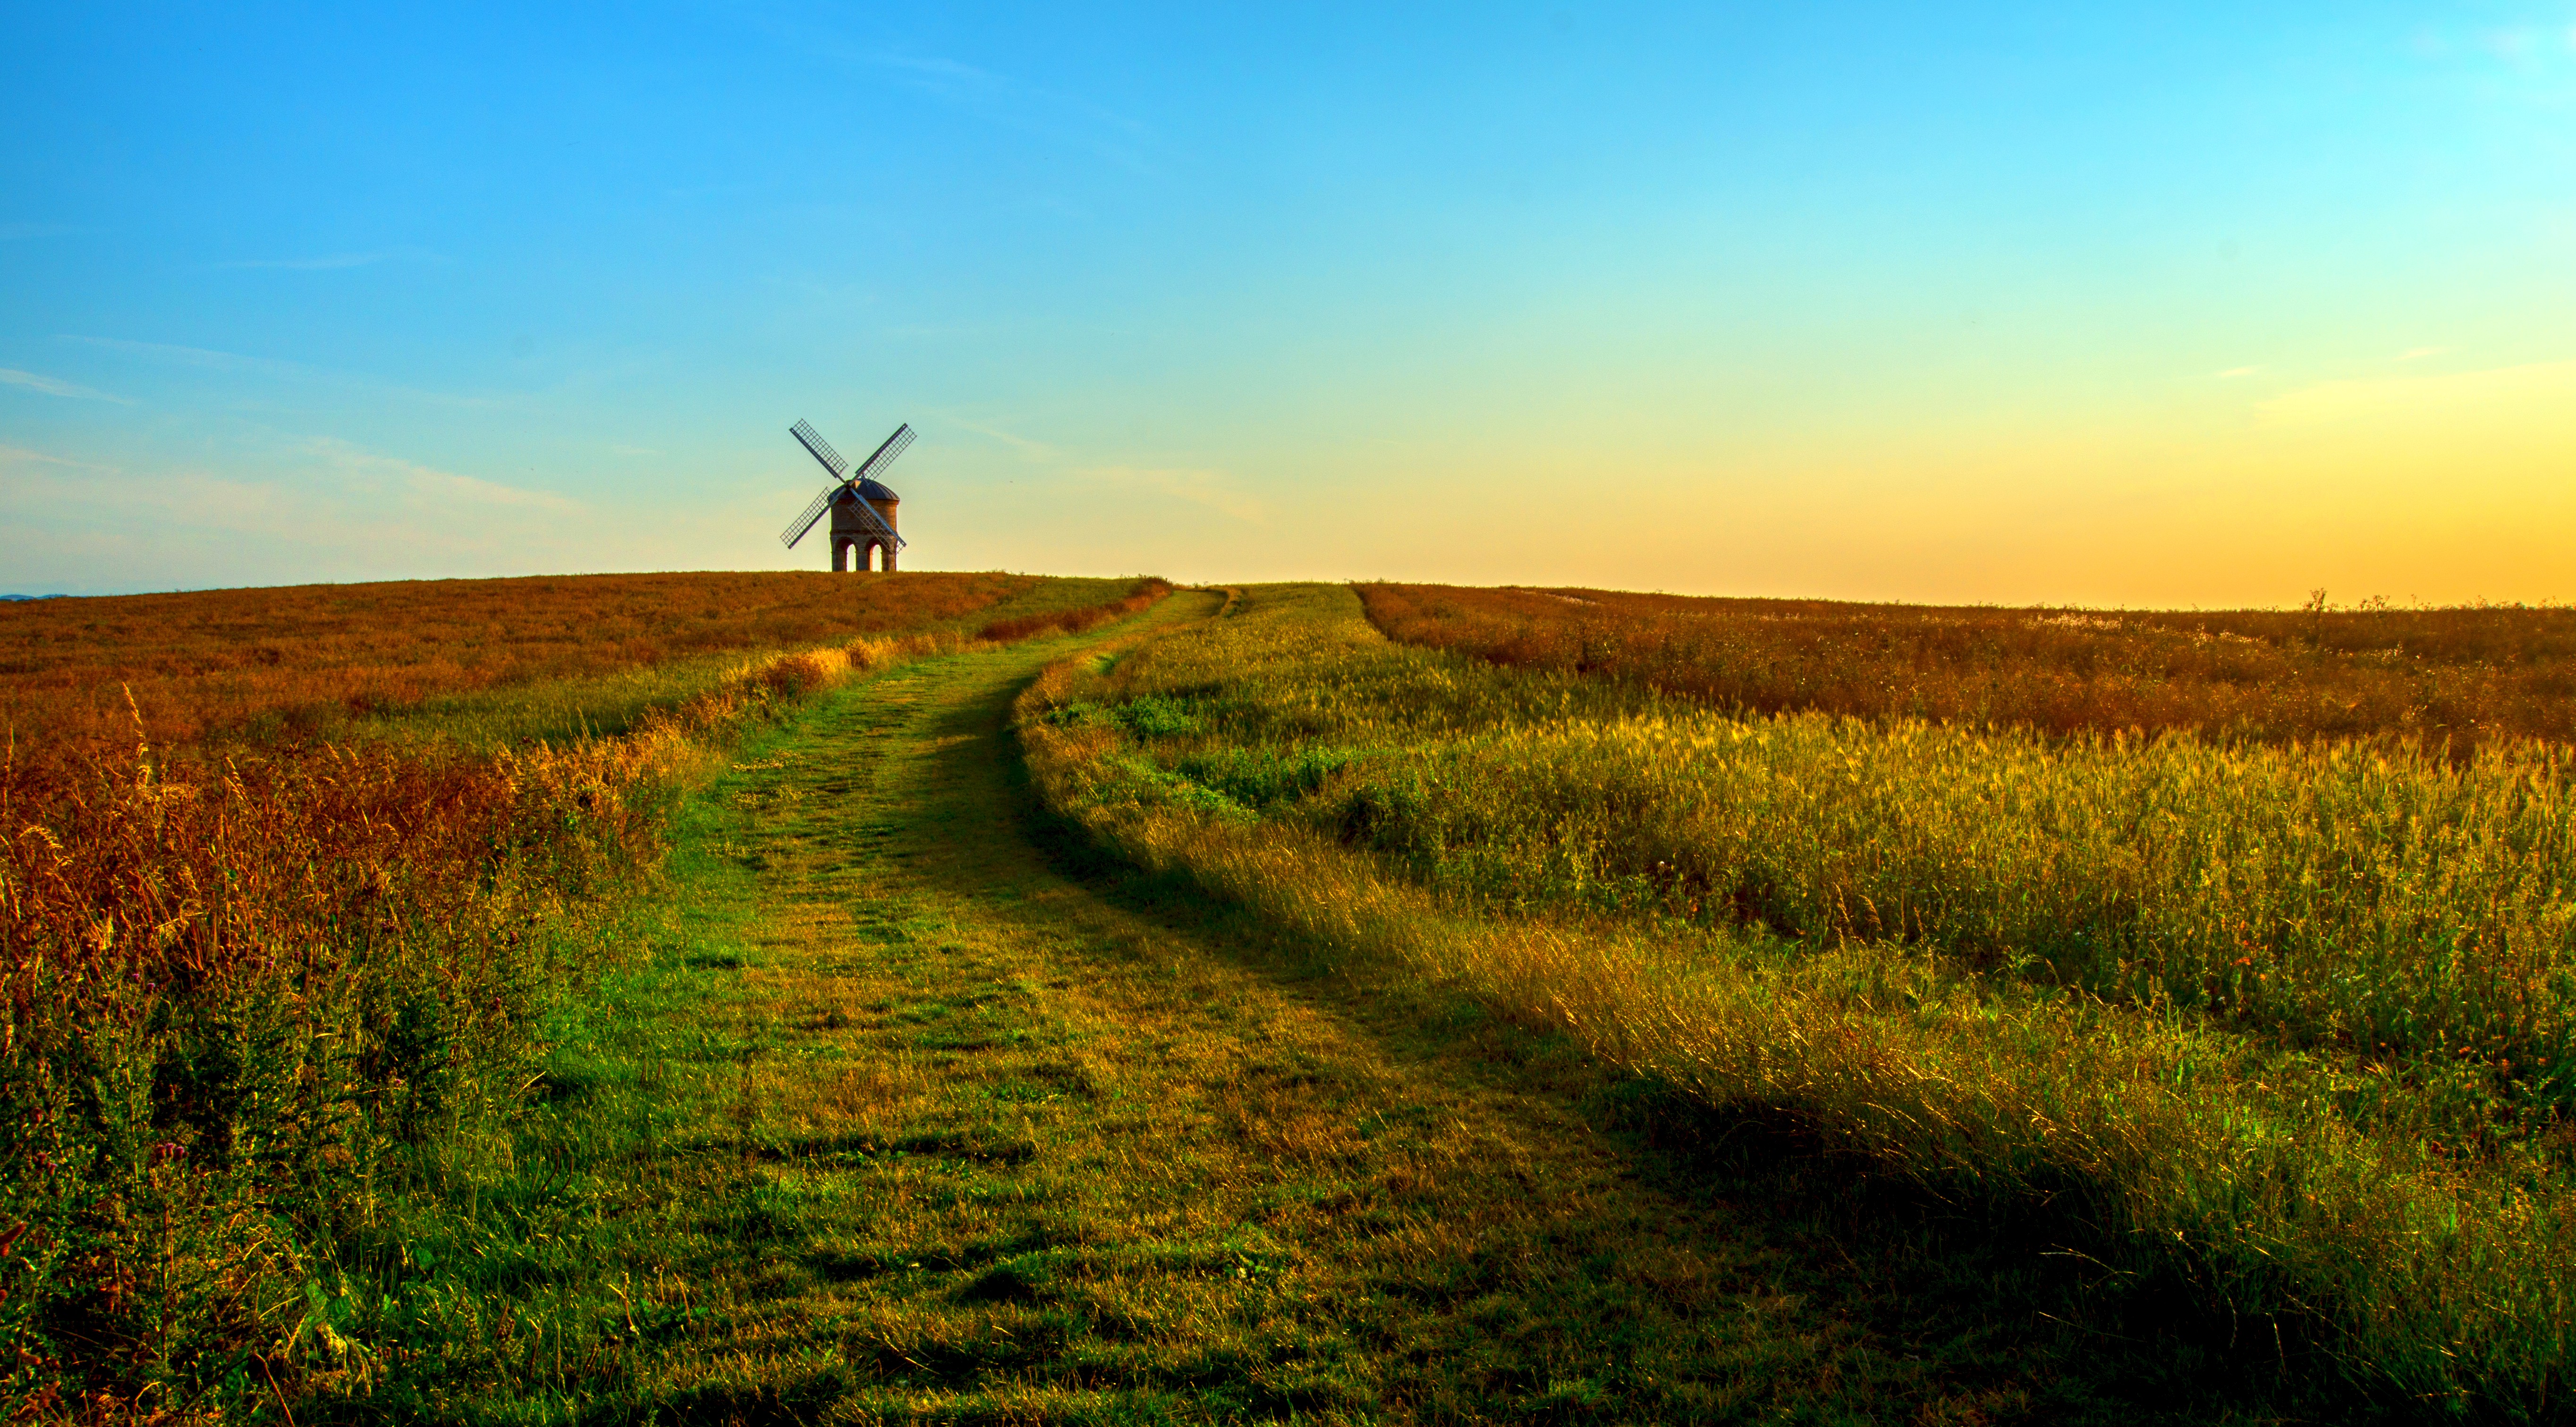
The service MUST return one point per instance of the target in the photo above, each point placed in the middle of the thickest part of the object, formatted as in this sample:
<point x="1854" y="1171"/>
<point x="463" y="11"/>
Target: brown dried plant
<point x="245" y="989"/>
<point x="304" y="657"/>
<point x="2456" y="676"/>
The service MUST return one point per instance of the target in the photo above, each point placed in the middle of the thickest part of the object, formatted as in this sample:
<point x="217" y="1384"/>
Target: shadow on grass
<point x="1988" y="1291"/>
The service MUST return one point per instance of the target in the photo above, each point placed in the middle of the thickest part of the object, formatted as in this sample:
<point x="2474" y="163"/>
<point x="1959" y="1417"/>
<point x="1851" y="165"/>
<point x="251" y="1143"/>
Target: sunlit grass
<point x="2453" y="678"/>
<point x="259" y="988"/>
<point x="2294" y="1019"/>
<point x="298" y="661"/>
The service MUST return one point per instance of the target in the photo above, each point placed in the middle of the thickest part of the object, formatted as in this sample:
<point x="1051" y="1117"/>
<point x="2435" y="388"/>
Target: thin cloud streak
<point x="998" y="99"/>
<point x="2419" y="395"/>
<point x="333" y="262"/>
<point x="56" y="386"/>
<point x="1024" y="447"/>
<point x="1043" y="113"/>
<point x="20" y="455"/>
<point x="279" y="369"/>
<point x="429" y="481"/>
<point x="204" y="357"/>
<point x="1199" y="486"/>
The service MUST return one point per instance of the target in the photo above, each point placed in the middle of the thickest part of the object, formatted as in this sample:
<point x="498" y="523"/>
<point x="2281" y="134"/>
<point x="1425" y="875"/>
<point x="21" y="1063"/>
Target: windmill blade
<point x="894" y="446"/>
<point x="796" y="528"/>
<point x="818" y="448"/>
<point x="869" y="513"/>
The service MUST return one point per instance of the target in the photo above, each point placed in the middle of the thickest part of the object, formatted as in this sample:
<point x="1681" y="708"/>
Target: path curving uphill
<point x="917" y="1111"/>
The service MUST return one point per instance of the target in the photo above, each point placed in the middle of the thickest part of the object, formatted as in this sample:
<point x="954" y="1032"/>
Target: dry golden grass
<point x="1074" y="621"/>
<point x="304" y="656"/>
<point x="247" y="990"/>
<point x="2458" y="677"/>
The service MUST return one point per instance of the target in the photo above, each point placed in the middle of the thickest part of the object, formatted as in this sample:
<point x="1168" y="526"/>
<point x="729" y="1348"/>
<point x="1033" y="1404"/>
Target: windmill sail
<point x="832" y="462"/>
<point x="820" y="449"/>
<point x="796" y="528"/>
<point x="868" y="513"/>
<point x="895" y="445"/>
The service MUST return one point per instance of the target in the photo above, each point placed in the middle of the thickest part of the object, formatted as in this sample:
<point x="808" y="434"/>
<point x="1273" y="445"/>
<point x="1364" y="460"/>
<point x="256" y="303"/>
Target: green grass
<point x="2005" y="968"/>
<point x="908" y="1106"/>
<point x="1284" y="1040"/>
<point x="260" y="998"/>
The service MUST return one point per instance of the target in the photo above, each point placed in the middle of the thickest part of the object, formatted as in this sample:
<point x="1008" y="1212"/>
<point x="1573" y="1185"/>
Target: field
<point x="2290" y="1025"/>
<point x="991" y="998"/>
<point x="2453" y="677"/>
<point x="257" y="978"/>
<point x="292" y="662"/>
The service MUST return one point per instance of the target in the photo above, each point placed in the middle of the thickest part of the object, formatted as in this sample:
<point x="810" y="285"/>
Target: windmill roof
<point x="875" y="490"/>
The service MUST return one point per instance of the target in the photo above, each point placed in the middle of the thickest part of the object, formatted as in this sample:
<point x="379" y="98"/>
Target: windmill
<point x="861" y="506"/>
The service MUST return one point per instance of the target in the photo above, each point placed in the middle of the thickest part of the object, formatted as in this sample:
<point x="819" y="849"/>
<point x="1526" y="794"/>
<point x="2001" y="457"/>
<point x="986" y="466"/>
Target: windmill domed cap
<point x="874" y="490"/>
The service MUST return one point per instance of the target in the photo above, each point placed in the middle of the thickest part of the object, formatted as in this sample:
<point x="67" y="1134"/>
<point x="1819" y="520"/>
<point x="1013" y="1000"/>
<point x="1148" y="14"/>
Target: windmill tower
<point x="862" y="507"/>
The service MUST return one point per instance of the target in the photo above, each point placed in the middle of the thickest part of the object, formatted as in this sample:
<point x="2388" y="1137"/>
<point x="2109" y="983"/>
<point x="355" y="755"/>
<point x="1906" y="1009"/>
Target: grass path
<point x="902" y="1119"/>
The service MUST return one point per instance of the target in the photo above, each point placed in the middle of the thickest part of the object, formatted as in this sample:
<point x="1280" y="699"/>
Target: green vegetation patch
<point x="1151" y="1177"/>
<point x="2292" y="1022"/>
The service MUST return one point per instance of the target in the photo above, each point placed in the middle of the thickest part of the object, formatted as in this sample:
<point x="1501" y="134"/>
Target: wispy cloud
<point x="204" y="357"/>
<point x="209" y="359"/>
<point x="335" y="261"/>
<point x="945" y="77"/>
<point x="56" y="386"/>
<point x="429" y="482"/>
<point x="2469" y="400"/>
<point x="710" y="190"/>
<point x="1024" y="447"/>
<point x="1199" y="486"/>
<point x="2512" y="44"/>
<point x="21" y="456"/>
<point x="2522" y="63"/>
<point x="1032" y="109"/>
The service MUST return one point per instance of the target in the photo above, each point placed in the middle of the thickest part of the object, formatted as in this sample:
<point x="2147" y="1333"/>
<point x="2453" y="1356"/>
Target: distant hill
<point x="34" y="597"/>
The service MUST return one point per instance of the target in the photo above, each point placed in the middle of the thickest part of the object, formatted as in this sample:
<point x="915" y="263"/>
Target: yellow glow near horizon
<point x="2438" y="487"/>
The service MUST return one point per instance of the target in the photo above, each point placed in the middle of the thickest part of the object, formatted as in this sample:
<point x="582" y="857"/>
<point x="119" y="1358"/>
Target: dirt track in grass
<point x="933" y="1116"/>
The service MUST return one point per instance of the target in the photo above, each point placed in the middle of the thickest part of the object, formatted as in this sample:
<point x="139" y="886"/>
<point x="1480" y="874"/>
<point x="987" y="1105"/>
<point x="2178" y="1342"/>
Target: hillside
<point x="999" y="998"/>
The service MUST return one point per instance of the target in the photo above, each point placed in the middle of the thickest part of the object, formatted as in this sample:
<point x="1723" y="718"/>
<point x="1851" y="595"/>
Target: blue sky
<point x="2196" y="304"/>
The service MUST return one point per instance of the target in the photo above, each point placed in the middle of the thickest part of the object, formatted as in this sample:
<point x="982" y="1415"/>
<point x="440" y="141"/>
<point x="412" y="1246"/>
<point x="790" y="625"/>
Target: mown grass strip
<point x="894" y="1120"/>
<point x="256" y="997"/>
